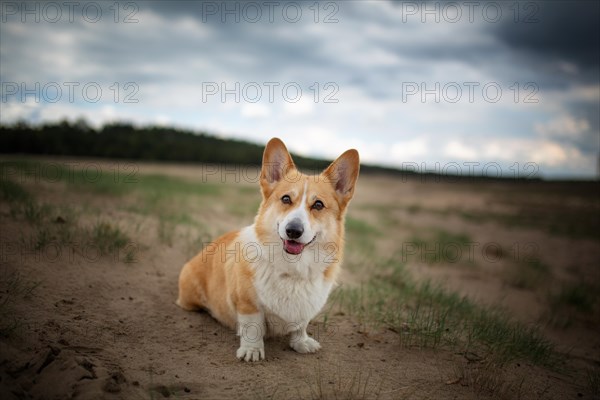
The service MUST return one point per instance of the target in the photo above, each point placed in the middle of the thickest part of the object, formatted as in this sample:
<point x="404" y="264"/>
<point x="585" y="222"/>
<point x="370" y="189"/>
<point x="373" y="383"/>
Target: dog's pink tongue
<point x="293" y="247"/>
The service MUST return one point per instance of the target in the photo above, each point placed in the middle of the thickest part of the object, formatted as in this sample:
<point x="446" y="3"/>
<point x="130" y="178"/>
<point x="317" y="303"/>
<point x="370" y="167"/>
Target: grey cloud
<point x="565" y="30"/>
<point x="156" y="54"/>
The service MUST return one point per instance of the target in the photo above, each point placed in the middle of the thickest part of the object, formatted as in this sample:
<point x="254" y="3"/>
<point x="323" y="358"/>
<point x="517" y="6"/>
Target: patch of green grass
<point x="88" y="176"/>
<point x="55" y="230"/>
<point x="130" y="255"/>
<point x="50" y="225"/>
<point x="108" y="237"/>
<point x="527" y="274"/>
<point x="471" y="216"/>
<point x="414" y="208"/>
<point x="242" y="201"/>
<point x="23" y="205"/>
<point x="544" y="209"/>
<point x="355" y="226"/>
<point x="244" y="207"/>
<point x="54" y="239"/>
<point x="30" y="211"/>
<point x="11" y="191"/>
<point x="170" y="186"/>
<point x="581" y="297"/>
<point x="41" y="238"/>
<point x="12" y="287"/>
<point x="363" y="234"/>
<point x="155" y="194"/>
<point x="165" y="198"/>
<point x="94" y="178"/>
<point x="386" y="217"/>
<point x="35" y="212"/>
<point x="248" y="191"/>
<point x="572" y="301"/>
<point x="169" y="218"/>
<point x="561" y="219"/>
<point x="21" y="202"/>
<point x="487" y="378"/>
<point x="65" y="232"/>
<point x="357" y="385"/>
<point x="445" y="237"/>
<point x="426" y="315"/>
<point x="593" y="381"/>
<point x="440" y="248"/>
<point x="166" y="231"/>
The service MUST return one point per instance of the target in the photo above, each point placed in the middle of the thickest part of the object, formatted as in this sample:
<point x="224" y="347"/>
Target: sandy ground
<point x="107" y="326"/>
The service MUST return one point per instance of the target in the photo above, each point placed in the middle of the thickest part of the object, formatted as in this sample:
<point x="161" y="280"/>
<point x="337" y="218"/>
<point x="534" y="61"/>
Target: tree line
<point x="123" y="140"/>
<point x="126" y="141"/>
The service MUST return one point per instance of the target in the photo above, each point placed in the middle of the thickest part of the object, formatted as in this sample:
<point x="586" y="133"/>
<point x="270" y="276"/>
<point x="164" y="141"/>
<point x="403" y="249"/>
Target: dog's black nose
<point x="294" y="229"/>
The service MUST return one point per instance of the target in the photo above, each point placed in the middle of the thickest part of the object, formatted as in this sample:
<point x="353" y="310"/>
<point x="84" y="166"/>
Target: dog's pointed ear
<point x="276" y="164"/>
<point x="342" y="175"/>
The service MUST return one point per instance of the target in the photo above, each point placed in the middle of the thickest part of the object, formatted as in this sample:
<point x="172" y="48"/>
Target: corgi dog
<point x="273" y="277"/>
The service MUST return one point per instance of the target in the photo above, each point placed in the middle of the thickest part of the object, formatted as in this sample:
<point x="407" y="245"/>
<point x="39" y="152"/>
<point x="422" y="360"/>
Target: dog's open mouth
<point x="293" y="247"/>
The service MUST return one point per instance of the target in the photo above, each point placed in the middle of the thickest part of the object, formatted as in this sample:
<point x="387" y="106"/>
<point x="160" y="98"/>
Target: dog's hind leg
<point x="189" y="291"/>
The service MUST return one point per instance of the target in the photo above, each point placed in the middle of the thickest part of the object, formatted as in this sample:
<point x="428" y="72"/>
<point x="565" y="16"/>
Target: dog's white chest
<point x="289" y="301"/>
<point x="290" y="291"/>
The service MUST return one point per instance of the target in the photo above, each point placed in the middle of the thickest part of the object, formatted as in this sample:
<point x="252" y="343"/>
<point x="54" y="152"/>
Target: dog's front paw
<point x="305" y="345"/>
<point x="251" y="353"/>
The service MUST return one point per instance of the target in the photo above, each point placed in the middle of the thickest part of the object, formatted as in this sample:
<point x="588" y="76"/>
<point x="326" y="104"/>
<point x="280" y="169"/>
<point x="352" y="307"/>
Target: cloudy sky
<point x="483" y="86"/>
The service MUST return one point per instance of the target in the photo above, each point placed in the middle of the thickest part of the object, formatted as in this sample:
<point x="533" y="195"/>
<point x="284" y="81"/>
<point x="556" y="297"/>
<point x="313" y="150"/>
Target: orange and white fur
<point x="273" y="277"/>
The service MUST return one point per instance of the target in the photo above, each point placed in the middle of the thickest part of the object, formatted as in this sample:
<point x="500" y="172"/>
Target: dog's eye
<point x="318" y="205"/>
<point x="286" y="199"/>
